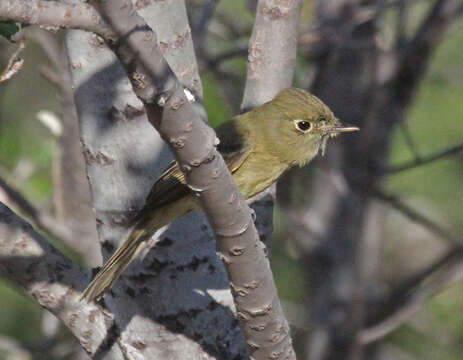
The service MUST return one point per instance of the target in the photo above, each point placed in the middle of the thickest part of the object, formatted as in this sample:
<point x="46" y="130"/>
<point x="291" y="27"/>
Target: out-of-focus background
<point x="402" y="247"/>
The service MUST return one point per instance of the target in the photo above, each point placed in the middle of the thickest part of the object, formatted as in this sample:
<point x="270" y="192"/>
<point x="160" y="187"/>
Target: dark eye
<point x="303" y="126"/>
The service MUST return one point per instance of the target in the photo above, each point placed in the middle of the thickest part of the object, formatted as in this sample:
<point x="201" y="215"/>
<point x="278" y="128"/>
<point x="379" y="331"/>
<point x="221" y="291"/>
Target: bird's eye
<point x="303" y="125"/>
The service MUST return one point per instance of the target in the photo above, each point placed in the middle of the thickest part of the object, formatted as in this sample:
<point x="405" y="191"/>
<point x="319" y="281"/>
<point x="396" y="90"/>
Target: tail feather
<point x="115" y="266"/>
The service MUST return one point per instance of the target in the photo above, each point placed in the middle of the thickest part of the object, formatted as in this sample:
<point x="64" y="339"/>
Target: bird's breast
<point x="257" y="173"/>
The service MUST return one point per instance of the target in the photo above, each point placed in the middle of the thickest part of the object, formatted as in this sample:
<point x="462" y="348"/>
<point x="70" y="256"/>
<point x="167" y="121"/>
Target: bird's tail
<point x="117" y="263"/>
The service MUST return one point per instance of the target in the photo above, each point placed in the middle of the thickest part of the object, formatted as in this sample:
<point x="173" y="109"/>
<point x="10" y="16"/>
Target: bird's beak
<point x="340" y="127"/>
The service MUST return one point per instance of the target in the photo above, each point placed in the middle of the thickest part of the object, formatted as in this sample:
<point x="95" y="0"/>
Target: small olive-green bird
<point x="258" y="147"/>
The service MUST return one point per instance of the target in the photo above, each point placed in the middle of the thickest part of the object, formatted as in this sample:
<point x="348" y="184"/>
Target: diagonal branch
<point x="52" y="279"/>
<point x="414" y="55"/>
<point x="409" y="296"/>
<point x="454" y="150"/>
<point x="44" y="220"/>
<point x="415" y="216"/>
<point x="193" y="144"/>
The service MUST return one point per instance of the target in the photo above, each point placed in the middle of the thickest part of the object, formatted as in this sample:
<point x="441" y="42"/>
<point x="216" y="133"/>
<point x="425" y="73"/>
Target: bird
<point x="258" y="147"/>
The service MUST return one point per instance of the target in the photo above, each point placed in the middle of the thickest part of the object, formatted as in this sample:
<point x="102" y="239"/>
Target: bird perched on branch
<point x="258" y="147"/>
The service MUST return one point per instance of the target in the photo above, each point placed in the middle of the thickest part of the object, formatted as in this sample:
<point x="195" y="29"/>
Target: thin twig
<point x="454" y="150"/>
<point x="42" y="219"/>
<point x="207" y="11"/>
<point x="415" y="216"/>
<point x="15" y="63"/>
<point x="409" y="296"/>
<point x="409" y="141"/>
<point x="227" y="55"/>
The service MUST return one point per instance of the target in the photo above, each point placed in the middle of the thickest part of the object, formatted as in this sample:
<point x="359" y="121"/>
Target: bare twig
<point x="207" y="11"/>
<point x="409" y="141"/>
<point x="44" y="220"/>
<point x="407" y="298"/>
<point x="415" y="216"/>
<point x="402" y="20"/>
<point x="227" y="55"/>
<point x="454" y="150"/>
<point x="15" y="63"/>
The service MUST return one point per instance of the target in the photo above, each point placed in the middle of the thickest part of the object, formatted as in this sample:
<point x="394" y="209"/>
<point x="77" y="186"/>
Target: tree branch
<point x="170" y="23"/>
<point x="408" y="297"/>
<point x="272" y="51"/>
<point x="44" y="220"/>
<point x="415" y="216"/>
<point x="54" y="14"/>
<point x="454" y="150"/>
<point x="193" y="144"/>
<point x="52" y="279"/>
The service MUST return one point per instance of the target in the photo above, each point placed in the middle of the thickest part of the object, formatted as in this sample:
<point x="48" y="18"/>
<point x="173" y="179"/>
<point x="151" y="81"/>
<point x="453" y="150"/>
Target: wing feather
<point x="171" y="185"/>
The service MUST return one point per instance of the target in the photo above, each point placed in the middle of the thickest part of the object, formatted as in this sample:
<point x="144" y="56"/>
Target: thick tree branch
<point x="52" y="279"/>
<point x="170" y="23"/>
<point x="272" y="51"/>
<point x="193" y="144"/>
<point x="54" y="14"/>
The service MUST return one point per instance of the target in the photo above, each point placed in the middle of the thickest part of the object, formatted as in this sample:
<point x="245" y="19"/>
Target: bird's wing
<point x="171" y="185"/>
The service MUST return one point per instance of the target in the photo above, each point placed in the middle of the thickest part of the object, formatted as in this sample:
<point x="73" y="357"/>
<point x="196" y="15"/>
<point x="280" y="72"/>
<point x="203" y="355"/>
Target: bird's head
<point x="296" y="125"/>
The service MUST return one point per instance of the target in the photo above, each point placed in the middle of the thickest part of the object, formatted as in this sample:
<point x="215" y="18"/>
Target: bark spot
<point x="72" y="321"/>
<point x="100" y="158"/>
<point x="194" y="264"/>
<point x="232" y="198"/>
<point x="242" y="316"/>
<point x="177" y="104"/>
<point x="236" y="251"/>
<point x="76" y="65"/>
<point x="186" y="168"/>
<point x="178" y="142"/>
<point x="276" y="12"/>
<point x="252" y="345"/>
<point x="211" y="269"/>
<point x="189" y="126"/>
<point x="108" y="246"/>
<point x="166" y="242"/>
<point x="132" y="112"/>
<point x="129" y="291"/>
<point x="92" y="316"/>
<point x="258" y="327"/>
<point x="139" y="80"/>
<point x="255" y="54"/>
<point x="68" y="15"/>
<point x="139" y="345"/>
<point x="254" y="284"/>
<point x="212" y="306"/>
